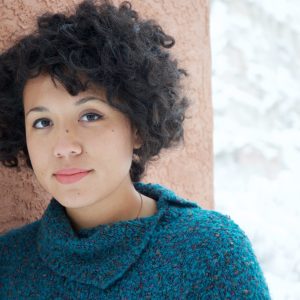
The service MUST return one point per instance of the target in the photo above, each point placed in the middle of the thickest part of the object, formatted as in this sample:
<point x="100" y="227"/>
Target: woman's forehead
<point x="44" y="84"/>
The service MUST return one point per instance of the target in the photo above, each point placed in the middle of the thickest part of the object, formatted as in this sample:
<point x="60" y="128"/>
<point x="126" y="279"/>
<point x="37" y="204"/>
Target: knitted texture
<point x="181" y="252"/>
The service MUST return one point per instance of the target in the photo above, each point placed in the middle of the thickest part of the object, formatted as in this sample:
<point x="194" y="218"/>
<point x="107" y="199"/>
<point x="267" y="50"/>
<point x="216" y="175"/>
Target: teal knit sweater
<point x="181" y="252"/>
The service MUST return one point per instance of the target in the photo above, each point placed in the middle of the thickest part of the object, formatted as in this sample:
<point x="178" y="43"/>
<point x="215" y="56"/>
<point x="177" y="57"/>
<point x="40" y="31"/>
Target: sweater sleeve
<point x="230" y="269"/>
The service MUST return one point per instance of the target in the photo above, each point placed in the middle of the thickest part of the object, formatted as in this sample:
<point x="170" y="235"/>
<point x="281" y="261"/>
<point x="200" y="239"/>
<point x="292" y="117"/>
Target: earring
<point x="135" y="157"/>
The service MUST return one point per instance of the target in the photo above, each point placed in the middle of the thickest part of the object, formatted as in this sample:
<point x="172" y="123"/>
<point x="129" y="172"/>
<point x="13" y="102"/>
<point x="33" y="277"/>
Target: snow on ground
<point x="256" y="100"/>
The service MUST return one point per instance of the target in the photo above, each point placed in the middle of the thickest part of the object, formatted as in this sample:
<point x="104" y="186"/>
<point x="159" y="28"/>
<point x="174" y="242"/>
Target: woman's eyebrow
<point x="78" y="102"/>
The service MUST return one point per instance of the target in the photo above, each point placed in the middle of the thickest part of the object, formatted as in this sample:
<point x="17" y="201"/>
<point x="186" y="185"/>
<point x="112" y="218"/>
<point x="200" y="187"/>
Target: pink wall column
<point x="187" y="170"/>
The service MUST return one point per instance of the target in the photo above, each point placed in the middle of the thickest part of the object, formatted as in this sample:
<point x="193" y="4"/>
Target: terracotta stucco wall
<point x="187" y="170"/>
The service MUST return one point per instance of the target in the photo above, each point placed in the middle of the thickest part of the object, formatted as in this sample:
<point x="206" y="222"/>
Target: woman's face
<point x="69" y="132"/>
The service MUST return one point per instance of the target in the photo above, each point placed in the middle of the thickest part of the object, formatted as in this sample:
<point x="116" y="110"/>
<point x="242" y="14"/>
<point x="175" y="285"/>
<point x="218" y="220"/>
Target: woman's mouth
<point x="67" y="179"/>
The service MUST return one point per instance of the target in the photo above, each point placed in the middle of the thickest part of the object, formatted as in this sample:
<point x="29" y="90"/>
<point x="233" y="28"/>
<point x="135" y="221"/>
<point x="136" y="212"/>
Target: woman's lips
<point x="67" y="179"/>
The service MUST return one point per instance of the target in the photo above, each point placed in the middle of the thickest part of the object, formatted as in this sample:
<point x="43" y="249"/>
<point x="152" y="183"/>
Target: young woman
<point x="89" y="99"/>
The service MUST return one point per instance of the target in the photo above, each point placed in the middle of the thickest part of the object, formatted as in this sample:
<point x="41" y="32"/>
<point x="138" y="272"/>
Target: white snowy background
<point x="256" y="100"/>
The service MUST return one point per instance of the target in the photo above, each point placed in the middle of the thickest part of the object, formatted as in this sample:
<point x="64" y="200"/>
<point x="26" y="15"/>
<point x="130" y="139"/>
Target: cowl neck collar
<point x="101" y="255"/>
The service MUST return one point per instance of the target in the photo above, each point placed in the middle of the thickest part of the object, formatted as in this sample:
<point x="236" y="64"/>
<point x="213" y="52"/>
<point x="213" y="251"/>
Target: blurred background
<point x="256" y="101"/>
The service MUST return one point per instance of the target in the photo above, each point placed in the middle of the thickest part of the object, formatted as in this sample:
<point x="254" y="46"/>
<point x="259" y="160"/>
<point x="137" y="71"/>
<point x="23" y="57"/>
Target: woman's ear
<point x="137" y="140"/>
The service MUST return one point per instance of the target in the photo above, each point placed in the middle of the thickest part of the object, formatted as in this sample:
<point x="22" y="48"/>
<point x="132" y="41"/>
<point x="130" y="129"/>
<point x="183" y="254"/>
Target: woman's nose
<point x="66" y="145"/>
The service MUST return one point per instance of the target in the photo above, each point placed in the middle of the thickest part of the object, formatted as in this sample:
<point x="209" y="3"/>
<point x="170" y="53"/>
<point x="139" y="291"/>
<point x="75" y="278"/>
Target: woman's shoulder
<point x="212" y="232"/>
<point x="187" y="215"/>
<point x="219" y="257"/>
<point x="191" y="218"/>
<point x="16" y="242"/>
<point x="20" y="231"/>
<point x="200" y="234"/>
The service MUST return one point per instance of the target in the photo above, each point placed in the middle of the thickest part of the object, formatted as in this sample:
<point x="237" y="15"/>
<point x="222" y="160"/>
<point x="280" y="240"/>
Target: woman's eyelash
<point x="44" y="119"/>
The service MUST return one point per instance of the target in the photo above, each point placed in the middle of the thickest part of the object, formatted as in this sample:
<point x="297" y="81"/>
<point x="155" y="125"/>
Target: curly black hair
<point x="110" y="47"/>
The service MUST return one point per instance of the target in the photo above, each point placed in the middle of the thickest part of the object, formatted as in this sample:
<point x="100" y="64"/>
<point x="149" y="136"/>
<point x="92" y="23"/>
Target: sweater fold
<point x="99" y="255"/>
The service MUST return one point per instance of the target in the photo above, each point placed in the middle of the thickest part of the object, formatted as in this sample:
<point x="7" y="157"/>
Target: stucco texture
<point x="187" y="170"/>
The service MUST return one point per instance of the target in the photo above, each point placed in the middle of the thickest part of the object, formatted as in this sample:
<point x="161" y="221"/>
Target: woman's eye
<point x="37" y="121"/>
<point x="92" y="114"/>
<point x="90" y="117"/>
